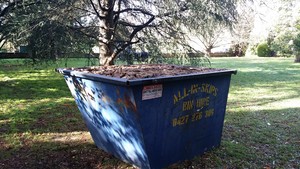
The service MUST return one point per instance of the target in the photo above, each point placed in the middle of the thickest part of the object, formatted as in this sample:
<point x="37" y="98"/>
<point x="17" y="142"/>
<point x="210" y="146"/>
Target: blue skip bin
<point x="153" y="122"/>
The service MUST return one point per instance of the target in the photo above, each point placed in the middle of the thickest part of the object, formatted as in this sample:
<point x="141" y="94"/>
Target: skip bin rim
<point x="144" y="81"/>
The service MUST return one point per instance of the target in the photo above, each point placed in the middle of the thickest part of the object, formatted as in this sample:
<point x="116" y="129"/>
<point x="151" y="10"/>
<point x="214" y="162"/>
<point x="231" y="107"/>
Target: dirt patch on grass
<point x="46" y="156"/>
<point x="144" y="71"/>
<point x="57" y="150"/>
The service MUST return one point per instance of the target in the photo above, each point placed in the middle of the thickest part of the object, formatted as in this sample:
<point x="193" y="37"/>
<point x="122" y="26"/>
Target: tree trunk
<point x="106" y="55"/>
<point x="208" y="50"/>
<point x="297" y="60"/>
<point x="52" y="50"/>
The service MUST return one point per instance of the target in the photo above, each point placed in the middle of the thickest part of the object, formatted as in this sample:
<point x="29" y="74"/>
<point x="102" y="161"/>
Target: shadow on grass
<point x="268" y="137"/>
<point x="36" y="101"/>
<point x="42" y="118"/>
<point x="33" y="89"/>
<point x="45" y="155"/>
<point x="250" y="139"/>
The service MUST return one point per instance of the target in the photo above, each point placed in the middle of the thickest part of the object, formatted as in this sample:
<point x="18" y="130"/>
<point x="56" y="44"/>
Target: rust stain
<point x="129" y="104"/>
<point x="126" y="103"/>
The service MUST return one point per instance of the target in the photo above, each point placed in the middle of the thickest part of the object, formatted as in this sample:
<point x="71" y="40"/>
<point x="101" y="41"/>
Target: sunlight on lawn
<point x="263" y="83"/>
<point x="4" y="121"/>
<point x="284" y="104"/>
<point x="260" y="97"/>
<point x="252" y="69"/>
<point x="66" y="137"/>
<point x="37" y="111"/>
<point x="15" y="106"/>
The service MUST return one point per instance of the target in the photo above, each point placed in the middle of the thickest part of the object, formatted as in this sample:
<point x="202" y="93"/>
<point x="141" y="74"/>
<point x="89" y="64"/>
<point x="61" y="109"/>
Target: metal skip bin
<point x="153" y="122"/>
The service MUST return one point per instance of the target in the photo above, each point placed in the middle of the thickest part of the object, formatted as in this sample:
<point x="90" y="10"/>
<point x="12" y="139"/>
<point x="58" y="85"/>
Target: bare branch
<point x="96" y="10"/>
<point x="126" y="24"/>
<point x="181" y="9"/>
<point x="134" y="10"/>
<point x="80" y="30"/>
<point x="137" y="29"/>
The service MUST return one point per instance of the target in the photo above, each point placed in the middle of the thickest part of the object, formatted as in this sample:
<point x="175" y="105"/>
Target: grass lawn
<point x="41" y="127"/>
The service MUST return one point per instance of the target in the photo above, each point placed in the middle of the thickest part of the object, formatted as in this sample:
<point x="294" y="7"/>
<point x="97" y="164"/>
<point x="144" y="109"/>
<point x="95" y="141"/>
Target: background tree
<point x="122" y="23"/>
<point x="283" y="33"/>
<point x="44" y="28"/>
<point x="51" y="38"/>
<point x="114" y="24"/>
<point x="243" y="27"/>
<point x="209" y="34"/>
<point x="279" y="28"/>
<point x="296" y="44"/>
<point x="8" y="10"/>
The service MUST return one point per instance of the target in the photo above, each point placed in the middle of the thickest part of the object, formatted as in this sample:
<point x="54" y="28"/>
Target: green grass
<point x="41" y="127"/>
<point x="262" y="124"/>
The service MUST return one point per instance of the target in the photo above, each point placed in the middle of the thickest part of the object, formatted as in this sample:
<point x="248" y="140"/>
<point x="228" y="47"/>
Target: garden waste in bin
<point x="152" y="122"/>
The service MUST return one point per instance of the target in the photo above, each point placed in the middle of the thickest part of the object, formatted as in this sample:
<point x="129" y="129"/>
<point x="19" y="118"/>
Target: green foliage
<point x="238" y="49"/>
<point x="44" y="27"/>
<point x="281" y="36"/>
<point x="296" y="43"/>
<point x="47" y="26"/>
<point x="282" y="43"/>
<point x="263" y="50"/>
<point x="297" y="47"/>
<point x="52" y="40"/>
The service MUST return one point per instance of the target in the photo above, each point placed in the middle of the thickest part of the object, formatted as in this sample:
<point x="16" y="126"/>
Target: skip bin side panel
<point x="185" y="121"/>
<point x="151" y="121"/>
<point x="111" y="116"/>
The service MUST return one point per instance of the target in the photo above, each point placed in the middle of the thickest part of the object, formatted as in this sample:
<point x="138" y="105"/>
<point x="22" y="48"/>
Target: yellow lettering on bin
<point x="176" y="99"/>
<point x="213" y="90"/>
<point x="202" y="102"/>
<point x="180" y="120"/>
<point x="194" y="88"/>
<point x="196" y="116"/>
<point x="209" y="113"/>
<point x="210" y="89"/>
<point x="185" y="93"/>
<point x="188" y="105"/>
<point x="205" y="88"/>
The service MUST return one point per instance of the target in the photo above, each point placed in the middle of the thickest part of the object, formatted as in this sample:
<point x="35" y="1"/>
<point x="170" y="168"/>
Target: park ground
<point x="41" y="127"/>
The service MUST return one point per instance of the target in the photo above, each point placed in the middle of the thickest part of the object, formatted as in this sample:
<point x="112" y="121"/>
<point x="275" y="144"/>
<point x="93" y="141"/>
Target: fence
<point x="14" y="56"/>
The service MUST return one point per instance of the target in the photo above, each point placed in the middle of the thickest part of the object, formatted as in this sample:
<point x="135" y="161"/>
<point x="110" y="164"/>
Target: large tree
<point x="209" y="34"/>
<point x="243" y="27"/>
<point x="122" y="23"/>
<point x="8" y="9"/>
<point x="296" y="44"/>
<point x="47" y="32"/>
<point x="44" y="27"/>
<point x="118" y="24"/>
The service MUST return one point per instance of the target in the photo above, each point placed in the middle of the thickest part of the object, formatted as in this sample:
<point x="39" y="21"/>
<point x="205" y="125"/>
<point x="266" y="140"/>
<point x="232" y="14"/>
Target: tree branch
<point x="123" y="47"/>
<point x="134" y="10"/>
<point x="137" y="29"/>
<point x="14" y="5"/>
<point x="101" y="7"/>
<point x="96" y="10"/>
<point x="126" y="24"/>
<point x="86" y="34"/>
<point x="181" y="9"/>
